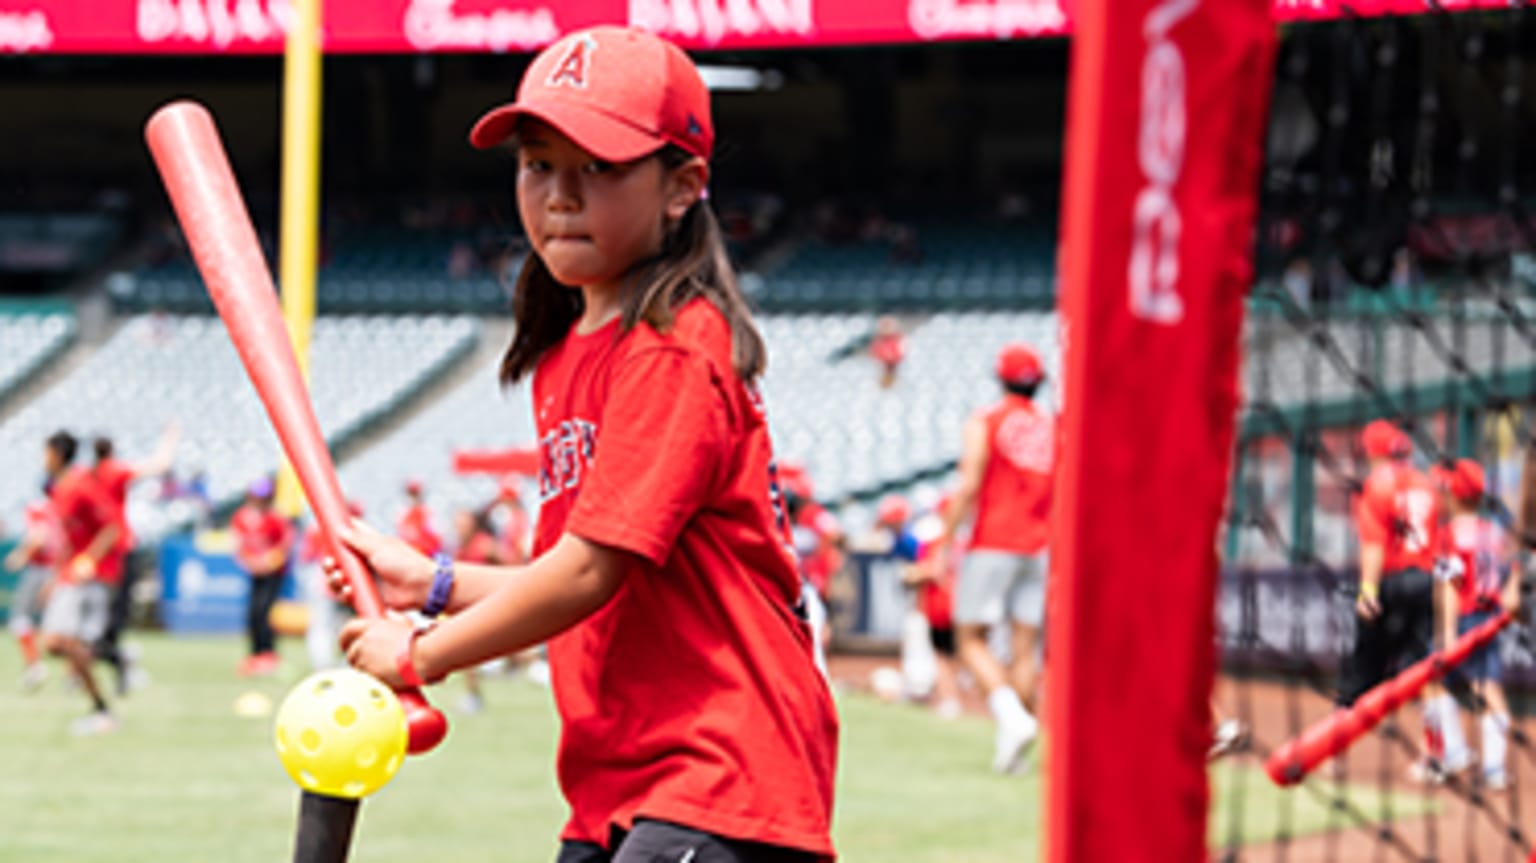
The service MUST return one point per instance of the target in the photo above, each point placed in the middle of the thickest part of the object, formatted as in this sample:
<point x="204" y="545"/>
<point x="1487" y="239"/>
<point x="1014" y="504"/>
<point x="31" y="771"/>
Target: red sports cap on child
<point x="1382" y="439"/>
<point x="618" y="92"/>
<point x="1467" y="480"/>
<point x="1017" y="364"/>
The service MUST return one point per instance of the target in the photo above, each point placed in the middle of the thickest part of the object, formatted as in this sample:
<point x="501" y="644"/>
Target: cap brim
<point x="607" y="137"/>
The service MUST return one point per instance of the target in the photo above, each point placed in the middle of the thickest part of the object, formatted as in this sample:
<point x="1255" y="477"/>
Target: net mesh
<point x="1395" y="281"/>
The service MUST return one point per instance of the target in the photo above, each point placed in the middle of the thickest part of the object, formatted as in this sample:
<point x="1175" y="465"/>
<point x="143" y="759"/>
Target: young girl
<point x="695" y="724"/>
<point x="1484" y="579"/>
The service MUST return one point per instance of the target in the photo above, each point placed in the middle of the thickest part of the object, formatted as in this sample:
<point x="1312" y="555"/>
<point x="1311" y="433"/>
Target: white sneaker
<point x="1495" y="780"/>
<point x="1012" y="744"/>
<point x="1429" y="771"/>
<point x="33" y="677"/>
<point x="1229" y="735"/>
<point x="93" y="725"/>
<point x="1454" y="766"/>
<point x="949" y="708"/>
<point x="471" y="704"/>
<point x="538" y="672"/>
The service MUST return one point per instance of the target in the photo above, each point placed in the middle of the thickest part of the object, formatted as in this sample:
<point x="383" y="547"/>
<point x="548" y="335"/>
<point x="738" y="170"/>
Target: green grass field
<point x="188" y="780"/>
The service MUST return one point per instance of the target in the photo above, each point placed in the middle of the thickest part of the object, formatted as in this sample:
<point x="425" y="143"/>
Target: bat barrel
<point x="187" y="151"/>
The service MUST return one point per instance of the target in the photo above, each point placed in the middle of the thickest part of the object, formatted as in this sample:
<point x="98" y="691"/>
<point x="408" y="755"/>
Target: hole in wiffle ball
<point x="367" y="757"/>
<point x="308" y="779"/>
<point x="309" y="741"/>
<point x="345" y="715"/>
<point x="353" y="789"/>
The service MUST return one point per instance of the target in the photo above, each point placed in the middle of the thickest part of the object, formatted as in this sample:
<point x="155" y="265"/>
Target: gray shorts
<point x="78" y="611"/>
<point x="25" y="606"/>
<point x="998" y="586"/>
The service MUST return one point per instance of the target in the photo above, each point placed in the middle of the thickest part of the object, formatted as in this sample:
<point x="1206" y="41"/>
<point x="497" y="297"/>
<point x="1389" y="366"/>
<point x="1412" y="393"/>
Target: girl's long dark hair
<point x="692" y="263"/>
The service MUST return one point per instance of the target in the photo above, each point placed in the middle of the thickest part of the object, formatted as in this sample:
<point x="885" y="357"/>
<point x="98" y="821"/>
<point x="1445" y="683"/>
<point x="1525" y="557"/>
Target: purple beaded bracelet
<point x="442" y="585"/>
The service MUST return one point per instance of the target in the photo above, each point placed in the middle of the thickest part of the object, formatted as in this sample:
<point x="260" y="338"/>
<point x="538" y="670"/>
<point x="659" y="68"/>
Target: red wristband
<point x="405" y="663"/>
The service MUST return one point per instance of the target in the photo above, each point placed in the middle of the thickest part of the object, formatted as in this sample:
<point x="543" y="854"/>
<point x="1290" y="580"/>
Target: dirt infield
<point x="1466" y="823"/>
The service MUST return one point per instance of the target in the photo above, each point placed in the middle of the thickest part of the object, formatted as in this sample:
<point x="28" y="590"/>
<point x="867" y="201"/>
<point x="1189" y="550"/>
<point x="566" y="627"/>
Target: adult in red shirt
<point x="415" y="524"/>
<point x="1007" y="468"/>
<point x="888" y="347"/>
<point x="77" y="610"/>
<point x="1397" y="515"/>
<point x="694" y="722"/>
<point x="116" y="476"/>
<point x="264" y="542"/>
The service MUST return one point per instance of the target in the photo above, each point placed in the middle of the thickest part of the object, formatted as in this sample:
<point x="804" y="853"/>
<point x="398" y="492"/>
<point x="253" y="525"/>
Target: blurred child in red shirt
<point x="263" y="547"/>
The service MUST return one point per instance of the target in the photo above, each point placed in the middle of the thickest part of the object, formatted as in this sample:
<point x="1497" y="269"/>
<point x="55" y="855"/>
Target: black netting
<point x="1397" y="280"/>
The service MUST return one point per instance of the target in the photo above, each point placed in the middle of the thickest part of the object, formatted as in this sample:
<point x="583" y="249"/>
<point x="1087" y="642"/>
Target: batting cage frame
<point x="1166" y="112"/>
<point x="1182" y="491"/>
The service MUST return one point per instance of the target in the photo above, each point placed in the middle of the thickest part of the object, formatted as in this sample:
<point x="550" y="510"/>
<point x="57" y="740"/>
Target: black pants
<point x="117" y="614"/>
<point x="1401" y="634"/>
<point x="258" y="611"/>
<point x="663" y="842"/>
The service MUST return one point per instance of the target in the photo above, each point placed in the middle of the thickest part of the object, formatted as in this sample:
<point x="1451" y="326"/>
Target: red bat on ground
<point x="1292" y="762"/>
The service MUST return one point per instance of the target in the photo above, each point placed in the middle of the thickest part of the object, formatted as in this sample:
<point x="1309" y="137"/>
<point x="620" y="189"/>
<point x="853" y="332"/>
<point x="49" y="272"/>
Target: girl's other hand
<point x="373" y="647"/>
<point x="402" y="574"/>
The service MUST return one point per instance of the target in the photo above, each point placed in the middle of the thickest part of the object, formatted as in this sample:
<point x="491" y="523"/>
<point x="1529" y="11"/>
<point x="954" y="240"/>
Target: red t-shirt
<point x="415" y="527"/>
<point x="692" y="696"/>
<point x="480" y="548"/>
<point x="1484" y="555"/>
<point x="938" y="595"/>
<point x="115" y="477"/>
<point x="257" y="533"/>
<point x="83" y="510"/>
<point x="1400" y="509"/>
<point x="888" y="350"/>
<point x="39" y="520"/>
<point x="1013" y="508"/>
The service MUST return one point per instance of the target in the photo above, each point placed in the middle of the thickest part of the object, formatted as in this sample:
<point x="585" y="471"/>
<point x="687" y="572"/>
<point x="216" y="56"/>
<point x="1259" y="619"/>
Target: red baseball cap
<point x="1382" y="439"/>
<point x="795" y="479"/>
<point x="618" y="92"/>
<point x="1017" y="364"/>
<point x="1467" y="481"/>
<point x="893" y="510"/>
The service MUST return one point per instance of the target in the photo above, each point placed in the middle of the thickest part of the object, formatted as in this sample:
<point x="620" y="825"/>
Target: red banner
<point x="409" y="26"/>
<point x="1167" y="101"/>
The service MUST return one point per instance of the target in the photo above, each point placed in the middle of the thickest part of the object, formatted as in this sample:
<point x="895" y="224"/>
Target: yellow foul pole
<point x="299" y="228"/>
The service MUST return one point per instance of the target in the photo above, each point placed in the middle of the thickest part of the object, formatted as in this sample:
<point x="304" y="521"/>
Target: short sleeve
<point x="1375" y="526"/>
<point x="661" y="444"/>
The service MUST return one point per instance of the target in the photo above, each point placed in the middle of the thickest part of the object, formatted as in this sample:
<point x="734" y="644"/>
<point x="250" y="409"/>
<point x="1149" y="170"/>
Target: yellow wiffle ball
<point x="341" y="733"/>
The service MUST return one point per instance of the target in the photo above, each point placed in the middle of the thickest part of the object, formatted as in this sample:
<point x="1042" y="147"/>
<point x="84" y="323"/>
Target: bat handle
<point x="426" y="725"/>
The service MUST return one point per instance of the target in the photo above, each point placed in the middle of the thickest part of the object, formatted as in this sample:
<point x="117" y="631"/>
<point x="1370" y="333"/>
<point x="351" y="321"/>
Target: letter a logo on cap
<point x="572" y="68"/>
